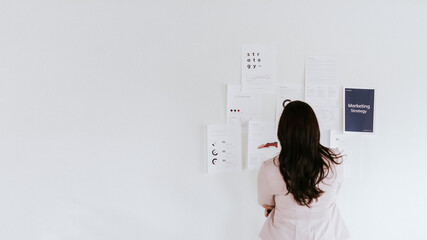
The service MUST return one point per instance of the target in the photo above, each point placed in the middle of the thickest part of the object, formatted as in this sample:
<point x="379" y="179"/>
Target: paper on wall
<point x="242" y="106"/>
<point x="321" y="85"/>
<point x="322" y="95"/>
<point x="259" y="67"/>
<point x="320" y="70"/>
<point x="322" y="90"/>
<point x="224" y="148"/>
<point x="358" y="111"/>
<point x="262" y="142"/>
<point x="328" y="117"/>
<point x="350" y="147"/>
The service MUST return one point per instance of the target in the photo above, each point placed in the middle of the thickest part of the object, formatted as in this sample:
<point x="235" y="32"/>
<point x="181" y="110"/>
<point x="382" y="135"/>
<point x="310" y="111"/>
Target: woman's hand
<point x="267" y="209"/>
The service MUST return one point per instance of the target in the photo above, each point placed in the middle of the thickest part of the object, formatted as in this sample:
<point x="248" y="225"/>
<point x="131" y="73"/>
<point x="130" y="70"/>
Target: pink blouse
<point x="290" y="221"/>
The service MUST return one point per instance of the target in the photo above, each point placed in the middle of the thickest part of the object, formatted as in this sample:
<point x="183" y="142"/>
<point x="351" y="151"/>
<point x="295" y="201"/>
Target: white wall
<point x="103" y="106"/>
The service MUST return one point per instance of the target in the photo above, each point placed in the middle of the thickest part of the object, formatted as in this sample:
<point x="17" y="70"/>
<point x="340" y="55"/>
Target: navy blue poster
<point x="359" y="110"/>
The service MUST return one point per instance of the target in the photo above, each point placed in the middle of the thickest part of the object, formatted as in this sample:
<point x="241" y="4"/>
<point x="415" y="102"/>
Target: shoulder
<point x="269" y="170"/>
<point x="271" y="164"/>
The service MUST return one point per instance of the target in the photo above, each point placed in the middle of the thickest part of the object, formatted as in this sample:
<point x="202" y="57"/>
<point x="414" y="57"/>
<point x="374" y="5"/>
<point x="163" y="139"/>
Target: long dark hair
<point x="303" y="161"/>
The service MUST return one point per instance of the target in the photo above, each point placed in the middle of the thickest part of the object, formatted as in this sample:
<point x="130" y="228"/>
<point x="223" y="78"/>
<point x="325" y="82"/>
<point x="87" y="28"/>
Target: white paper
<point x="224" y="148"/>
<point x="320" y="70"/>
<point x="242" y="106"/>
<point x="321" y="85"/>
<point x="350" y="147"/>
<point x="259" y="67"/>
<point x="325" y="138"/>
<point x="322" y="91"/>
<point x="262" y="142"/>
<point x="322" y="95"/>
<point x="287" y="92"/>
<point x="328" y="117"/>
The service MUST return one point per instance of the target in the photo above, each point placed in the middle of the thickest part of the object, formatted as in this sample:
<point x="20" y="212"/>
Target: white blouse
<point x="291" y="221"/>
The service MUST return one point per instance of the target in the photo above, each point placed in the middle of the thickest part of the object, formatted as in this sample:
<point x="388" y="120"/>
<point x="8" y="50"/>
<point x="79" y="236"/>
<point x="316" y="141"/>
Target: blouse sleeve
<point x="265" y="193"/>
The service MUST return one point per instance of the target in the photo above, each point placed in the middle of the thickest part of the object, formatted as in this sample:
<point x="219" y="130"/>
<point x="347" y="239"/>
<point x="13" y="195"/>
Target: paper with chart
<point x="262" y="142"/>
<point x="224" y="148"/>
<point x="285" y="94"/>
<point x="242" y="106"/>
<point x="259" y="67"/>
<point x="322" y="90"/>
<point x="350" y="146"/>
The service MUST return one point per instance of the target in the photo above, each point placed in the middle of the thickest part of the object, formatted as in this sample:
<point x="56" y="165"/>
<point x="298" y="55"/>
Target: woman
<point x="298" y="188"/>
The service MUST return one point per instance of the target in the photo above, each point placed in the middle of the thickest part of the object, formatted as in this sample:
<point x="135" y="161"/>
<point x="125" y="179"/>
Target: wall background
<point x="104" y="106"/>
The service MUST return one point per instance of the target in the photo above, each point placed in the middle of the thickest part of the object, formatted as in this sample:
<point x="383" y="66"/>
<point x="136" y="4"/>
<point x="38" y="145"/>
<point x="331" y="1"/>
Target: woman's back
<point x="301" y="183"/>
<point x="290" y="220"/>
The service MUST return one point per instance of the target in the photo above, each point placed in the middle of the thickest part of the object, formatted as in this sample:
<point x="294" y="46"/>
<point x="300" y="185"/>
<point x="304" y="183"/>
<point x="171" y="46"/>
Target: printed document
<point x="224" y="148"/>
<point x="262" y="142"/>
<point x="242" y="106"/>
<point x="259" y="67"/>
